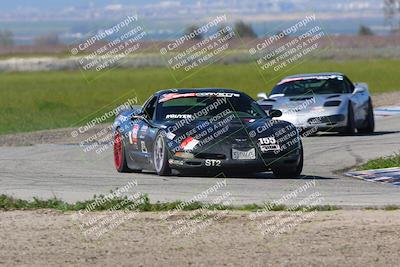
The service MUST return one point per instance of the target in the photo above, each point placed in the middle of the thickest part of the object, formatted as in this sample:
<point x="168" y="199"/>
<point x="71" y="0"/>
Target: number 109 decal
<point x="268" y="144"/>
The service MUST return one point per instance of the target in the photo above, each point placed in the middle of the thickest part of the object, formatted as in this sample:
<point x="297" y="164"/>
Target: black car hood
<point x="233" y="131"/>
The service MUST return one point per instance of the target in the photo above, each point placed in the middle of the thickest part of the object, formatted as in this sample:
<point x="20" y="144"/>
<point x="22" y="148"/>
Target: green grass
<point x="391" y="207"/>
<point x="45" y="100"/>
<point x="380" y="163"/>
<point x="387" y="208"/>
<point x="142" y="204"/>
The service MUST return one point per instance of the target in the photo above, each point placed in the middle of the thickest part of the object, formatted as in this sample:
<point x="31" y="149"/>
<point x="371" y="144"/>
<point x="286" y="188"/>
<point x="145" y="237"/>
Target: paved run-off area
<point x="67" y="172"/>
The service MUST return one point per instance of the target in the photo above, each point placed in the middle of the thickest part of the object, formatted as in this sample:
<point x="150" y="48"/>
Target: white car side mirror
<point x="262" y="95"/>
<point x="358" y="90"/>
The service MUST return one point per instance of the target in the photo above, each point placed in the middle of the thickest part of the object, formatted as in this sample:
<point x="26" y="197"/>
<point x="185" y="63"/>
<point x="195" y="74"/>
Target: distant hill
<point x="163" y="19"/>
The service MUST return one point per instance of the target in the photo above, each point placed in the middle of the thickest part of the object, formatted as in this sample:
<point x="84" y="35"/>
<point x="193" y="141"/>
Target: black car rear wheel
<point x="160" y="156"/>
<point x="120" y="162"/>
<point x="119" y="153"/>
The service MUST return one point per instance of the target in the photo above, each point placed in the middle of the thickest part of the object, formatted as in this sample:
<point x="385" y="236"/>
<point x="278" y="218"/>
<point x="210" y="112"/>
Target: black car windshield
<point x="205" y="105"/>
<point x="299" y="86"/>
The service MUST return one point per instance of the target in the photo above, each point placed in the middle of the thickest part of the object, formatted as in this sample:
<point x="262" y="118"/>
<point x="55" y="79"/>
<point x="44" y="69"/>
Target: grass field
<point x="141" y="204"/>
<point x="44" y="100"/>
<point x="380" y="163"/>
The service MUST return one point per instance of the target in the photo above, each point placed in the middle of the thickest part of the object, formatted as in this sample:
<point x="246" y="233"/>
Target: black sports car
<point x="205" y="129"/>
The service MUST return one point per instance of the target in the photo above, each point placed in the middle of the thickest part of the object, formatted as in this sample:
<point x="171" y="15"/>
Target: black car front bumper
<point x="214" y="161"/>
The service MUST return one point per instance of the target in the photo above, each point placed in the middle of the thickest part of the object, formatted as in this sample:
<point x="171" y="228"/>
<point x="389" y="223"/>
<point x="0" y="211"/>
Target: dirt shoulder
<point x="339" y="238"/>
<point x="386" y="99"/>
<point x="99" y="133"/>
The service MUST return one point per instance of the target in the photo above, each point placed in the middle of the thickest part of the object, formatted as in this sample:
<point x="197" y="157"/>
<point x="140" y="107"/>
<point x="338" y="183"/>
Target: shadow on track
<point x="328" y="134"/>
<point x="260" y="176"/>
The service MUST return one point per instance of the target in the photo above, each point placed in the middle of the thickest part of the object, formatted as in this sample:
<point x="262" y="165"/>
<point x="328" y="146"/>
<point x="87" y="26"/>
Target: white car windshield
<point x="302" y="86"/>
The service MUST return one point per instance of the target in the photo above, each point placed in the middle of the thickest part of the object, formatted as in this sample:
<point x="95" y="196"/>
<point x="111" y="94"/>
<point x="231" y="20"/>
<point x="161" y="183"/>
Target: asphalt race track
<point x="69" y="173"/>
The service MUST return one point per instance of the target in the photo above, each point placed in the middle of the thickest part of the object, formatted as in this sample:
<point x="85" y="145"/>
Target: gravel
<point x="339" y="238"/>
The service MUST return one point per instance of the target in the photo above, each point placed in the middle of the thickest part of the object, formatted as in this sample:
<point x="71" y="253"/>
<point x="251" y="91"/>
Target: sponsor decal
<point x="170" y="135"/>
<point x="323" y="77"/>
<point x="143" y="131"/>
<point x="170" y="96"/>
<point x="216" y="94"/>
<point x="179" y="116"/>
<point x="268" y="144"/>
<point x="133" y="134"/>
<point x="143" y="145"/>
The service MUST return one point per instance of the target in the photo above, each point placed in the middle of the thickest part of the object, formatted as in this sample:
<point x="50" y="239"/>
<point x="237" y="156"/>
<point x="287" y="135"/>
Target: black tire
<point x="370" y="120"/>
<point x="285" y="172"/>
<point x="119" y="153"/>
<point x="160" y="156"/>
<point x="351" y="124"/>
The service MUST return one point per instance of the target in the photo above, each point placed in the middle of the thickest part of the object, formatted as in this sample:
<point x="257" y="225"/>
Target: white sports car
<point x="323" y="101"/>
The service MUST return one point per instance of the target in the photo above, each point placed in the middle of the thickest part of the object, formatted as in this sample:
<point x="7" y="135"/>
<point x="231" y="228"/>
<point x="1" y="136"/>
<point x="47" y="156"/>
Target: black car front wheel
<point x="160" y="156"/>
<point x="284" y="171"/>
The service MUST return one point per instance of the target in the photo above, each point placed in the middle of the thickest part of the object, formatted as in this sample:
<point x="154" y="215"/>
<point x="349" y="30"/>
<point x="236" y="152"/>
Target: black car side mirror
<point x="141" y="116"/>
<point x="137" y="114"/>
<point x="274" y="113"/>
<point x="137" y="117"/>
